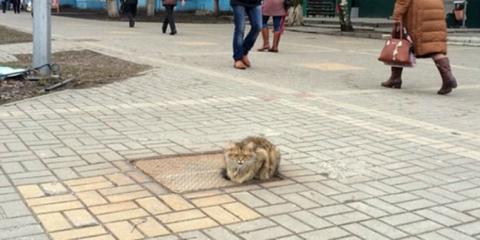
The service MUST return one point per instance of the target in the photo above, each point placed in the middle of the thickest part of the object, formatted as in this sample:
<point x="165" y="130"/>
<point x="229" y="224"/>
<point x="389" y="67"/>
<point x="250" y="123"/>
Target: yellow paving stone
<point x="113" y="207"/>
<point x="78" y="233"/>
<point x="121" y="189"/>
<point x="124" y="215"/>
<point x="139" y="177"/>
<point x="150" y="227"/>
<point x="31" y="191"/>
<point x="103" y="237"/>
<point x="124" y="230"/>
<point x="91" y="198"/>
<point x="81" y="218"/>
<point x="128" y="196"/>
<point x="83" y="181"/>
<point x="120" y="179"/>
<point x="220" y="215"/>
<point x="180" y="216"/>
<point x="176" y="202"/>
<point x="54" y="222"/>
<point x="89" y="187"/>
<point x="202" y="194"/>
<point x="50" y="200"/>
<point x="192" y="225"/>
<point x="56" y="207"/>
<point x="241" y="211"/>
<point x="211" y="201"/>
<point x="153" y="205"/>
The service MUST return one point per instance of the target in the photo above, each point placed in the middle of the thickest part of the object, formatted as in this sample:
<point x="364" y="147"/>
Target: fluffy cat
<point x="253" y="157"/>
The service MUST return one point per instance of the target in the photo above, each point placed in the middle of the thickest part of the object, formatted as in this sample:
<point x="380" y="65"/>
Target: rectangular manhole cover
<point x="186" y="173"/>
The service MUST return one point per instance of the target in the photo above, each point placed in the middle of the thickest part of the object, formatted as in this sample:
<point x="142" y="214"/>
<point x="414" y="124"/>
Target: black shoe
<point x="173" y="32"/>
<point x="164" y="28"/>
<point x="132" y="23"/>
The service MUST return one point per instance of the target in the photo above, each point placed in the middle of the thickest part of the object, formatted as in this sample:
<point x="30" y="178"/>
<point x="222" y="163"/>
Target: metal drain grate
<point x="187" y="173"/>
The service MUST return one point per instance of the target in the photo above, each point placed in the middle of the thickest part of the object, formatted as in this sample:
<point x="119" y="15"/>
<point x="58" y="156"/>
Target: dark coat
<point x="169" y="2"/>
<point x="425" y="22"/>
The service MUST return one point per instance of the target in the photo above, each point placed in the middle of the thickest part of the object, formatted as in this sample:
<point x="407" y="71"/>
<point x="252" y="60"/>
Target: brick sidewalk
<point x="350" y="171"/>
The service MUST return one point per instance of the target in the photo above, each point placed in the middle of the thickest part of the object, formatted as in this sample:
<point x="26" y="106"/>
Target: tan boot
<point x="448" y="80"/>
<point x="395" y="80"/>
<point x="276" y="42"/>
<point x="266" y="44"/>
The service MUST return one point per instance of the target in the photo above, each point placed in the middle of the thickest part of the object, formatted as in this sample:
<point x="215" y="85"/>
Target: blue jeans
<point x="277" y="20"/>
<point x="241" y="46"/>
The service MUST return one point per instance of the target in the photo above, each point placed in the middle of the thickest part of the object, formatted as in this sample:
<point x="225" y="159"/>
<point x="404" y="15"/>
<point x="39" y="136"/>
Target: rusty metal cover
<point x="187" y="173"/>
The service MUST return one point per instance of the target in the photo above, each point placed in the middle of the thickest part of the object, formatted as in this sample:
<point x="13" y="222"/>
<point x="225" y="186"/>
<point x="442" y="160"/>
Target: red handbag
<point x="398" y="51"/>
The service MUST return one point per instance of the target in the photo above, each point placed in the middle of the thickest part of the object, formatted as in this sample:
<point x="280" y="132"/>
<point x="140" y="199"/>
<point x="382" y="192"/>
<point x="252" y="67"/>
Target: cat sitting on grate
<point x="253" y="157"/>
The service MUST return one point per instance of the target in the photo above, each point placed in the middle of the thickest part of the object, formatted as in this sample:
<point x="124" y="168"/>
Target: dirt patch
<point x="8" y="36"/>
<point x="87" y="68"/>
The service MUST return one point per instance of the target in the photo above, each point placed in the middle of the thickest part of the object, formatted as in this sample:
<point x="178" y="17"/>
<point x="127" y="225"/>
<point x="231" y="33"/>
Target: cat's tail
<point x="224" y="174"/>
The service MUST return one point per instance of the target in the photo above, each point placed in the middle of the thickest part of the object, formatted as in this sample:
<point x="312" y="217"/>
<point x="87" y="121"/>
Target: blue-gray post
<point x="42" y="45"/>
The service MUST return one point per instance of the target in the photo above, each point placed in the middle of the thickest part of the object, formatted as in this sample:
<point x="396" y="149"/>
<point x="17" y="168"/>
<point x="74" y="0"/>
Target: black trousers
<point x="4" y="6"/>
<point x="169" y="18"/>
<point x="16" y="6"/>
<point x="131" y="10"/>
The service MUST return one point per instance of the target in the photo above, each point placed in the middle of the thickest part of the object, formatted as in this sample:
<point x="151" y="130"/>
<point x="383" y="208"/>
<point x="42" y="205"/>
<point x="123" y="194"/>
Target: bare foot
<point x="240" y="65"/>
<point x="246" y="61"/>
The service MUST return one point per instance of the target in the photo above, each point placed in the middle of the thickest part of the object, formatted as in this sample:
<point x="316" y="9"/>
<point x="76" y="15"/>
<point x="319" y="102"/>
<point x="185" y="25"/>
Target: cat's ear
<point x="231" y="145"/>
<point x="250" y="146"/>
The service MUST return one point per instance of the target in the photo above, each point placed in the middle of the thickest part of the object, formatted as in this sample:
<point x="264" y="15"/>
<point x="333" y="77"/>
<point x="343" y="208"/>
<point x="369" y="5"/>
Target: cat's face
<point x="240" y="154"/>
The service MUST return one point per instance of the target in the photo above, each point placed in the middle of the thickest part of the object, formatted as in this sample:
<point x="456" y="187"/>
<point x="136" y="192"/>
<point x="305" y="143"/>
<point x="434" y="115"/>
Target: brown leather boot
<point x="448" y="80"/>
<point x="276" y="42"/>
<point x="266" y="44"/>
<point x="395" y="80"/>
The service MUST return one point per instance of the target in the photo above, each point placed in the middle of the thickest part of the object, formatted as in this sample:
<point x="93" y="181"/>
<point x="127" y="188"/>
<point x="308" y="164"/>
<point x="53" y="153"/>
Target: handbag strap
<point x="401" y="29"/>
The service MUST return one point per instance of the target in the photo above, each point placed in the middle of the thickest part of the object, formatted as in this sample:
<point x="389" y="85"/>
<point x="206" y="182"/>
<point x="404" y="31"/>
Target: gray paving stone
<point x="250" y="226"/>
<point x="347" y="218"/>
<point x="311" y="219"/>
<point x="328" y="233"/>
<point x="269" y="233"/>
<point x="363" y="232"/>
<point x="400" y="219"/>
<point x="385" y="229"/>
<point x="15" y="209"/>
<point x="470" y="228"/>
<point x="220" y="233"/>
<point x="453" y="234"/>
<point x="291" y="223"/>
<point x="420" y="227"/>
<point x="277" y="209"/>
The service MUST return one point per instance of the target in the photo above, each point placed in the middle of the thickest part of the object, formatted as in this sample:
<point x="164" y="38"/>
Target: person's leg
<point x="171" y="19"/>
<point x="255" y="18"/>
<point x="165" y="21"/>
<point x="395" y="80"/>
<point x="4" y="6"/>
<point x="266" y="44"/>
<point x="448" y="80"/>
<point x="238" y="33"/>
<point x="277" y="33"/>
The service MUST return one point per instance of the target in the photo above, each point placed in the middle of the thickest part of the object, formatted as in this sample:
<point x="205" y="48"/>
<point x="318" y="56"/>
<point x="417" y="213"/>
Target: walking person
<point x="425" y="22"/>
<point x="241" y="45"/>
<point x="4" y="5"/>
<point x="169" y="18"/>
<point x="131" y="11"/>
<point x="276" y="10"/>
<point x="16" y="6"/>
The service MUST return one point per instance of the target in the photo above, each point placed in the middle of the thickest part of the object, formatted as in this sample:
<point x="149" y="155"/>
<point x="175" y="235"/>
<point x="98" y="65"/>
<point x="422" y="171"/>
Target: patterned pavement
<point x="359" y="162"/>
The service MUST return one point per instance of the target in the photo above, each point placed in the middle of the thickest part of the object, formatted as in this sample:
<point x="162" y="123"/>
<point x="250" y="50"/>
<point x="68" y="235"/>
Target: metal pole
<point x="42" y="45"/>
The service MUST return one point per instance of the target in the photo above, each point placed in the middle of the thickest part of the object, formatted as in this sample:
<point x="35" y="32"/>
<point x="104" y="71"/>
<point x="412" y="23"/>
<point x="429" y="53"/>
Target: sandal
<point x="273" y="50"/>
<point x="263" y="49"/>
